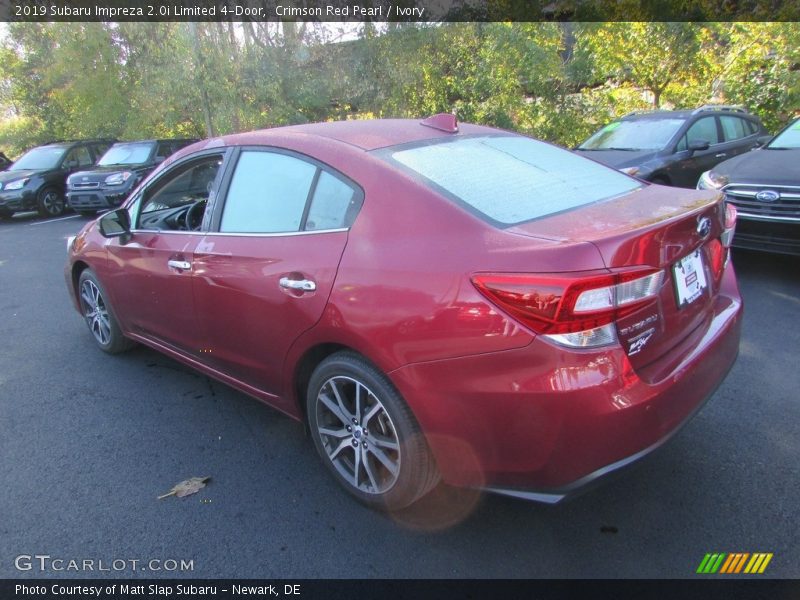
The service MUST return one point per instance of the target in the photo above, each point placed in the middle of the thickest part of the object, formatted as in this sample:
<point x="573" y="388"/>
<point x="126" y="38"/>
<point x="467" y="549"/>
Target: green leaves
<point x="559" y="81"/>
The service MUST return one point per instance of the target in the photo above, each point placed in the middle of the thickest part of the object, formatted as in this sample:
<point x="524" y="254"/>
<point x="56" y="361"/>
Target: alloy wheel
<point x="52" y="203"/>
<point x="95" y="312"/>
<point x="358" y="435"/>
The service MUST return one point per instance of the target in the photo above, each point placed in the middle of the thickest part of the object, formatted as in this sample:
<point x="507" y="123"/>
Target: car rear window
<point x="512" y="179"/>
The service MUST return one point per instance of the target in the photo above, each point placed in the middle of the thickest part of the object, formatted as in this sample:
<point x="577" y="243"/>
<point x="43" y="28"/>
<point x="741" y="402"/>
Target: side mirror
<point x="698" y="146"/>
<point x="116" y="223"/>
<point x="763" y="140"/>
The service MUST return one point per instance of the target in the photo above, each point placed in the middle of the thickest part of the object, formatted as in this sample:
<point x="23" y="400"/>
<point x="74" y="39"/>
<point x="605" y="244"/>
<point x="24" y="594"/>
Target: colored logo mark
<point x="737" y="562"/>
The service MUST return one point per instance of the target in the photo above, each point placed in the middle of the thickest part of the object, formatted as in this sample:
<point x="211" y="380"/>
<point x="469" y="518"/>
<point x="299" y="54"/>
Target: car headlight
<point x="712" y="181"/>
<point x="18" y="184"/>
<point x="118" y="178"/>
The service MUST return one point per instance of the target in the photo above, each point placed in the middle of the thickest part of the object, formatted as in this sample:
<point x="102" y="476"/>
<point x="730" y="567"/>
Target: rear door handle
<point x="181" y="265"/>
<point x="302" y="285"/>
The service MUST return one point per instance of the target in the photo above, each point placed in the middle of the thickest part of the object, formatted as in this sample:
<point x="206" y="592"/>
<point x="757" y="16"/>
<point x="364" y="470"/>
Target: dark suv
<point x="36" y="181"/>
<point x="674" y="147"/>
<point x="117" y="173"/>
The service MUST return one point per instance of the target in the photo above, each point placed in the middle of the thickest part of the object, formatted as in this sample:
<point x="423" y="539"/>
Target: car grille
<point x="785" y="208"/>
<point x="85" y="185"/>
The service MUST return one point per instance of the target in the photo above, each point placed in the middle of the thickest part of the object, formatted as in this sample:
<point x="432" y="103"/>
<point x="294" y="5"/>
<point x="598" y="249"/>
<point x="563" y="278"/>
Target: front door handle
<point x="721" y="155"/>
<point x="302" y="285"/>
<point x="181" y="265"/>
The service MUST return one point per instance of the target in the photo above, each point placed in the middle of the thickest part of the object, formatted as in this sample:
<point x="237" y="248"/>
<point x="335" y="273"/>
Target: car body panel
<point x="500" y="405"/>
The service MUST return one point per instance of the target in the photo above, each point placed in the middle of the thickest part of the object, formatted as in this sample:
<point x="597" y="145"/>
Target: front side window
<point x="512" y="179"/>
<point x="639" y="134"/>
<point x="177" y="200"/>
<point x="78" y="157"/>
<point x="704" y="129"/>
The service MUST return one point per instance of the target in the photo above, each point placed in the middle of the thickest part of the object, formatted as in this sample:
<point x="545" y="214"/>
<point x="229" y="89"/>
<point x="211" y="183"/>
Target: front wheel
<point x="99" y="316"/>
<point x="366" y="434"/>
<point x="50" y="202"/>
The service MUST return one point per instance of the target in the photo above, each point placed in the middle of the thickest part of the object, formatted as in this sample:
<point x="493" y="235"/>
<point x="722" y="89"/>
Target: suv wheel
<point x="50" y="202"/>
<point x="366" y="434"/>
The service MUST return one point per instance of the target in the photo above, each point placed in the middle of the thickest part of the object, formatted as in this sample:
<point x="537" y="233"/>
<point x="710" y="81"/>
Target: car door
<point x="151" y="273"/>
<point x="264" y="274"/>
<point x="690" y="165"/>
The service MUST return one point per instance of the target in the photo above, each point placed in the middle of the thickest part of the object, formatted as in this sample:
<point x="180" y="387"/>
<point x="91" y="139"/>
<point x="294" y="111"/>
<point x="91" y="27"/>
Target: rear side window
<point x="277" y="193"/>
<point x="512" y="179"/>
<point x="734" y="128"/>
<point x="268" y="193"/>
<point x="332" y="202"/>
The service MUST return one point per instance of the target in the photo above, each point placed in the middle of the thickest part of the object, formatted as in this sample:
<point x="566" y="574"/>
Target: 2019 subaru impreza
<point x="435" y="300"/>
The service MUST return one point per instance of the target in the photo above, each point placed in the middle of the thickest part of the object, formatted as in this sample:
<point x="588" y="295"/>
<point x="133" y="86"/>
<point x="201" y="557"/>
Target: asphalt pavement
<point x="88" y="441"/>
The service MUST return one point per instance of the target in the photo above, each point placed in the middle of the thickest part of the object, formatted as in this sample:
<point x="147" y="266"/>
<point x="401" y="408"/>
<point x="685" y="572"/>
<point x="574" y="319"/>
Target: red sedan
<point x="435" y="300"/>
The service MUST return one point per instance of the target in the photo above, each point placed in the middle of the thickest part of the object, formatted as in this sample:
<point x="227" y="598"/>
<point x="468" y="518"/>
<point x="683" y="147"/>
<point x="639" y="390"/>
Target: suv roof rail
<point x="89" y="140"/>
<point x="720" y="107"/>
<point x="635" y="112"/>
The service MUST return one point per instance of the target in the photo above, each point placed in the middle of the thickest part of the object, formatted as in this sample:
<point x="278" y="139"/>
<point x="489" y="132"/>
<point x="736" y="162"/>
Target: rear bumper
<point x="543" y="422"/>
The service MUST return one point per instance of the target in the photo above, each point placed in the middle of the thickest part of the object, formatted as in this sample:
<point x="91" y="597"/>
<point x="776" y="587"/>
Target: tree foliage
<point x="558" y="81"/>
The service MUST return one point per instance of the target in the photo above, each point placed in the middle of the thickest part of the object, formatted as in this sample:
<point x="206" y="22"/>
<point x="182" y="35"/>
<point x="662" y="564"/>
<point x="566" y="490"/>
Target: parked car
<point x="117" y="172"/>
<point x="37" y="180"/>
<point x="673" y="147"/>
<point x="764" y="186"/>
<point x="4" y="161"/>
<point x="432" y="299"/>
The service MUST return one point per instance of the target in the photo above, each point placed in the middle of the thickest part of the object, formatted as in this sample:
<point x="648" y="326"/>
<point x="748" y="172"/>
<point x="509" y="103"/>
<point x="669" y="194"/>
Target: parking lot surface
<point x="88" y="441"/>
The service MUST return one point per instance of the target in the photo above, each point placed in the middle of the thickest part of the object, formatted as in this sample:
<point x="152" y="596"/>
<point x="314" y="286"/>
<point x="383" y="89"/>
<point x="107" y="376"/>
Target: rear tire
<point x="50" y="202"/>
<point x="99" y="316"/>
<point x="366" y="435"/>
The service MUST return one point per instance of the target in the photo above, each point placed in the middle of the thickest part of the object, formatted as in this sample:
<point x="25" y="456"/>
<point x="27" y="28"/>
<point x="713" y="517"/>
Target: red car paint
<point x="501" y="407"/>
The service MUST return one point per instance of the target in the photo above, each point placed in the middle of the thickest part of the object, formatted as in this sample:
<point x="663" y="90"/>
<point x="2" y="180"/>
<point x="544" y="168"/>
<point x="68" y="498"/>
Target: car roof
<point x="364" y="134"/>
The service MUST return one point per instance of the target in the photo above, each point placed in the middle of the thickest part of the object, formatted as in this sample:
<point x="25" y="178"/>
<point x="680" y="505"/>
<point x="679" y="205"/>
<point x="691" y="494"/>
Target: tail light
<point x="730" y="225"/>
<point x="719" y="254"/>
<point x="572" y="309"/>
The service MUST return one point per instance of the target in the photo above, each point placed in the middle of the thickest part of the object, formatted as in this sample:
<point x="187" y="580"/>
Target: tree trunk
<point x="199" y="78"/>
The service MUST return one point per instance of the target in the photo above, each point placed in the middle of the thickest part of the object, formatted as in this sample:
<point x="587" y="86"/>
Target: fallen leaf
<point x="186" y="488"/>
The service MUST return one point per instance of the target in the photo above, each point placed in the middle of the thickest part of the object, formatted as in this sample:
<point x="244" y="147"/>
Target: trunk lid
<point x="658" y="227"/>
